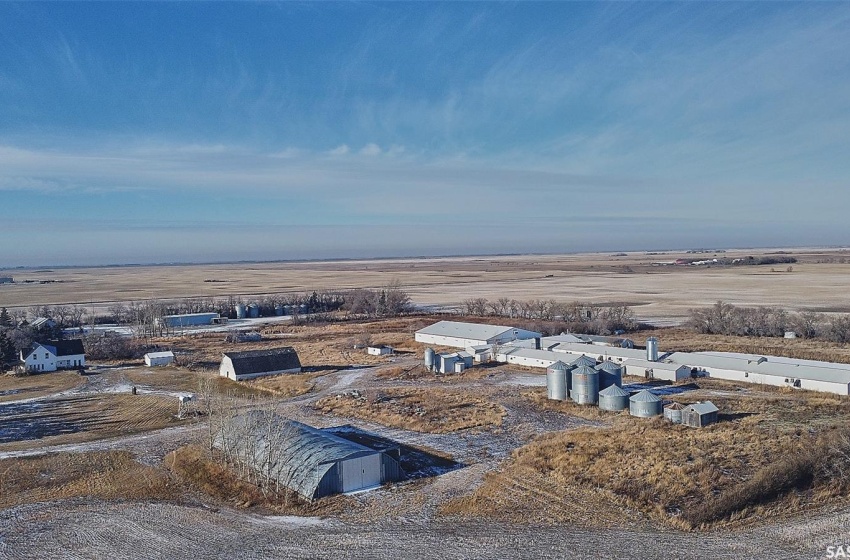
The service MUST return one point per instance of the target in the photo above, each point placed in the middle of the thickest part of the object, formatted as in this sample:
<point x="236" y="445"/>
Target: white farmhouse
<point x="53" y="355"/>
<point x="464" y="335"/>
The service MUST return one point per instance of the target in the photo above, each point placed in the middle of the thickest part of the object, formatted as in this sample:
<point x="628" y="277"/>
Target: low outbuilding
<point x="159" y="358"/>
<point x="379" y="350"/>
<point x="700" y="414"/>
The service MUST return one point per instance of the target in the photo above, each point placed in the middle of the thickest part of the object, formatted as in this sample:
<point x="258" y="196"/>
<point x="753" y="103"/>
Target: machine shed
<point x="464" y="335"/>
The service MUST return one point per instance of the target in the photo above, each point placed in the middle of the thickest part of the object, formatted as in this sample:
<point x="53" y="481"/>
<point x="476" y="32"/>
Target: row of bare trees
<point x="728" y="319"/>
<point x="250" y="437"/>
<point x="577" y="316"/>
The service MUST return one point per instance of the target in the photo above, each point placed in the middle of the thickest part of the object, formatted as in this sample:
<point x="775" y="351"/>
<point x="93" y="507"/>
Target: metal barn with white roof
<point x="464" y="335"/>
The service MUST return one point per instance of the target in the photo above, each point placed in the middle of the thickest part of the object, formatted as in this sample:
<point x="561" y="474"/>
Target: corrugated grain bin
<point x="556" y="381"/>
<point x="585" y="385"/>
<point x="673" y="412"/>
<point x="241" y="311"/>
<point x="613" y="398"/>
<point x="609" y="374"/>
<point x="253" y="311"/>
<point x="644" y="405"/>
<point x="429" y="358"/>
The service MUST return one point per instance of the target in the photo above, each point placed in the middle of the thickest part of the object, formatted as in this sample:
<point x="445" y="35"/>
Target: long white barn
<point x="464" y="335"/>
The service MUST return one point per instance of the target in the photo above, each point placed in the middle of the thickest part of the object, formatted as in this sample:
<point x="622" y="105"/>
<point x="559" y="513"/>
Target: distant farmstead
<point x="53" y="355"/>
<point x="240" y="366"/>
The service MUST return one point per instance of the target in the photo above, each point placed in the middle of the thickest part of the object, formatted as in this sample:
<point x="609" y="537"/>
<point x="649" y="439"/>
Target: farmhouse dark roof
<point x="72" y="347"/>
<point x="260" y="361"/>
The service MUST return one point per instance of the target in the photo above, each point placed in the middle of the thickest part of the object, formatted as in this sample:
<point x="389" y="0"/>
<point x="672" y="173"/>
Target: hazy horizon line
<point x="424" y="257"/>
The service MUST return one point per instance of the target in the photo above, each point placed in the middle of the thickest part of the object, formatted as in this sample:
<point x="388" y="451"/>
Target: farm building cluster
<point x="482" y="343"/>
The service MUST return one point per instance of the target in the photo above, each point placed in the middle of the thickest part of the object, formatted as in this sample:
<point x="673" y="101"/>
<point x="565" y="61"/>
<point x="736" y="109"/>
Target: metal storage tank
<point x="278" y="310"/>
<point x="585" y="385"/>
<point x="652" y="349"/>
<point x="644" y="405"/>
<point x="584" y="361"/>
<point x="609" y="374"/>
<point x="241" y="311"/>
<point x="429" y="358"/>
<point x="253" y="311"/>
<point x="556" y="381"/>
<point x="613" y="398"/>
<point x="673" y="412"/>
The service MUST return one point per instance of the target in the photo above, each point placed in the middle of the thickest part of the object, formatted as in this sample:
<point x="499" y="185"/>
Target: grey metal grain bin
<point x="429" y="358"/>
<point x="584" y="361"/>
<point x="556" y="381"/>
<point x="652" y="349"/>
<point x="609" y="374"/>
<point x="613" y="398"/>
<point x="253" y="311"/>
<point x="673" y="412"/>
<point x="241" y="311"/>
<point x="644" y="405"/>
<point x="278" y="310"/>
<point x="585" y="385"/>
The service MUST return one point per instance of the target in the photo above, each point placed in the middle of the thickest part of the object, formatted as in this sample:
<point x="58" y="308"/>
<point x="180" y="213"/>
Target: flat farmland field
<point x="819" y="280"/>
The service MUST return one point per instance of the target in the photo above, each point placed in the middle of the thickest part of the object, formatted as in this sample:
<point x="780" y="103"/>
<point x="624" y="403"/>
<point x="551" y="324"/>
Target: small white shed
<point x="159" y="358"/>
<point x="379" y="350"/>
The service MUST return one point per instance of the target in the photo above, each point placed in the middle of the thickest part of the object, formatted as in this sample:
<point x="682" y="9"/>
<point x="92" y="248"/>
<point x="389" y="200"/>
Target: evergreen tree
<point x="5" y="320"/>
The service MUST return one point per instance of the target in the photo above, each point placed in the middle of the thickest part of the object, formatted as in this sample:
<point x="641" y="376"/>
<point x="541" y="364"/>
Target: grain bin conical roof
<point x="585" y="370"/>
<point x="559" y="365"/>
<point x="675" y="406"/>
<point x="584" y="361"/>
<point x="645" y="396"/>
<point x="614" y="391"/>
<point x="608" y="365"/>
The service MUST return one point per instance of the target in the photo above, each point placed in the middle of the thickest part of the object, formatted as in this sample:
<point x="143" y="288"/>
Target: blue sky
<point x="160" y="132"/>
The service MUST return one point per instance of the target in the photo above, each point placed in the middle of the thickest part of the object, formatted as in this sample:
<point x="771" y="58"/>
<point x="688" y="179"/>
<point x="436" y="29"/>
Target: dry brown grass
<point x="286" y="386"/>
<point x="78" y="419"/>
<point x="165" y="378"/>
<point x="108" y="475"/>
<point x="202" y="471"/>
<point x="421" y="410"/>
<point x="671" y="472"/>
<point x="14" y="388"/>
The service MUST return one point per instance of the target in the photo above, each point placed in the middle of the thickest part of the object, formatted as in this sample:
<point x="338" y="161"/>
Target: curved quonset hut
<point x="314" y="463"/>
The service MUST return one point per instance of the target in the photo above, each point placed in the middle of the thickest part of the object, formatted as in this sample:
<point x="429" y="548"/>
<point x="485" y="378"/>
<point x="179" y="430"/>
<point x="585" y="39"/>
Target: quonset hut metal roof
<point x="303" y="455"/>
